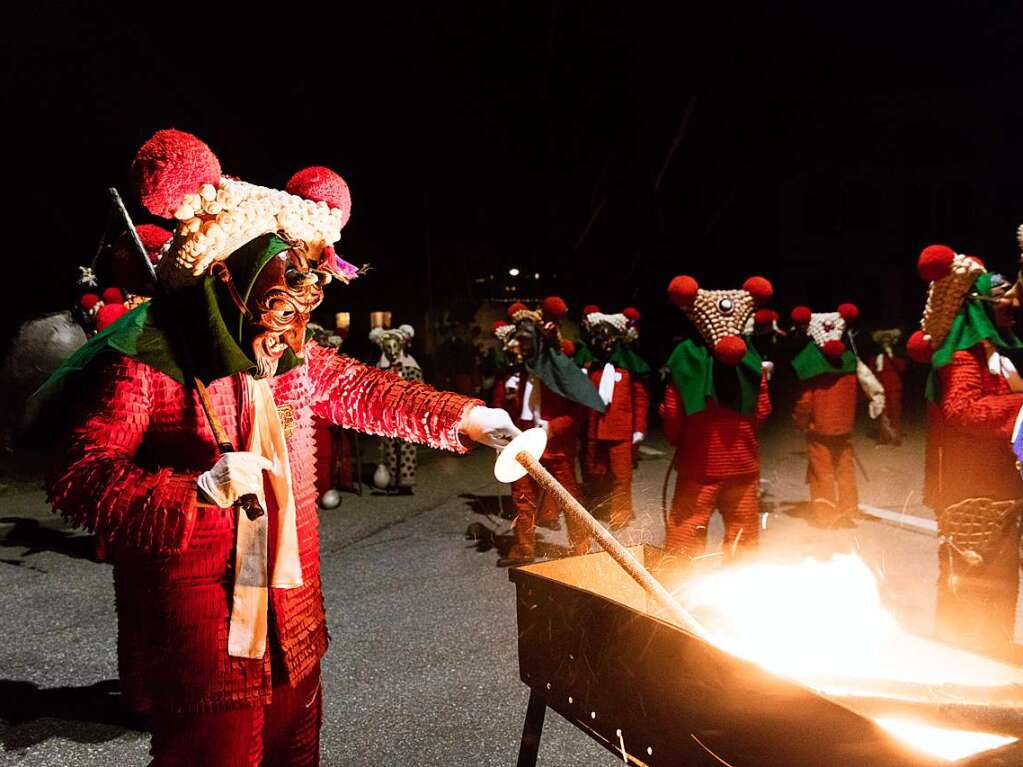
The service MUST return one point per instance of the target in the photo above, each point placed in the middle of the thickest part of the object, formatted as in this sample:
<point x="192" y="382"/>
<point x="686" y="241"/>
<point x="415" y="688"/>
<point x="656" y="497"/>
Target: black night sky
<point x="603" y="146"/>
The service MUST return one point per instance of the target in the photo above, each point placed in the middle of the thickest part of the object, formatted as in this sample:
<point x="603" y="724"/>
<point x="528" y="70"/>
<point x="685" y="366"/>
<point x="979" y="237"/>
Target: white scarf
<point x="606" y="388"/>
<point x="250" y="601"/>
<point x="1000" y="365"/>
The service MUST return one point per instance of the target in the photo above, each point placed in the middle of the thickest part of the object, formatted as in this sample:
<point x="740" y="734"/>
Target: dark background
<point x="821" y="145"/>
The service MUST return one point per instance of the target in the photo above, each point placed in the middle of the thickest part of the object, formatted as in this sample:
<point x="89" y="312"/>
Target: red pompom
<point x="568" y="347"/>
<point x="631" y="313"/>
<point x="109" y="314"/>
<point x="128" y="270"/>
<point x="919" y="348"/>
<point x="760" y="288"/>
<point x="113" y="296"/>
<point x="935" y="262"/>
<point x="801" y="315"/>
<point x="682" y="290"/>
<point x="169" y="166"/>
<point x="849" y="312"/>
<point x="977" y="261"/>
<point x="517" y="307"/>
<point x="88" y="301"/>
<point x="833" y="348"/>
<point x="322" y="185"/>
<point x="765" y="317"/>
<point x="730" y="350"/>
<point x="590" y="309"/>
<point x="554" y="308"/>
<point x="497" y="325"/>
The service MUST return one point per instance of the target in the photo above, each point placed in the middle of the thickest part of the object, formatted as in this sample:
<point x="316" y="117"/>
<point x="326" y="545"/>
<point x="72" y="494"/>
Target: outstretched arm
<point x="101" y="488"/>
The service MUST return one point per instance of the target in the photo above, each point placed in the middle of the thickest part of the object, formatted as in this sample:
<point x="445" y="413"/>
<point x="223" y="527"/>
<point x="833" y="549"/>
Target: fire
<point x="823" y="623"/>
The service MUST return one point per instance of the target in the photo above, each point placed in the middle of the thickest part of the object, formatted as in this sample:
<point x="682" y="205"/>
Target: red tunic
<point x="564" y="417"/>
<point x="132" y="463"/>
<point x="970" y="434"/>
<point x="827" y="405"/>
<point x="717" y="443"/>
<point x="627" y="412"/>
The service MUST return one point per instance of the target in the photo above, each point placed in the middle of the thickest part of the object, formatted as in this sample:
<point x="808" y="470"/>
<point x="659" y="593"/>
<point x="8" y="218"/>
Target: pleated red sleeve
<point x="374" y="401"/>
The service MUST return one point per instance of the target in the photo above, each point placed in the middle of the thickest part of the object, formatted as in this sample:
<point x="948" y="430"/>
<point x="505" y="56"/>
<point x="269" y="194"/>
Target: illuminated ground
<point x="422" y="668"/>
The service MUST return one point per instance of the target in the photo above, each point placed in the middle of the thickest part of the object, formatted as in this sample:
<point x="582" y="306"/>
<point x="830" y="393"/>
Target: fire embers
<point x="951" y="276"/>
<point x="826" y="329"/>
<point x="721" y="316"/>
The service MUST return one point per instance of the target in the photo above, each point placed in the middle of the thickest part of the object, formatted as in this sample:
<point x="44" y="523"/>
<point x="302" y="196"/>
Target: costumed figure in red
<point x="620" y="377"/>
<point x="830" y="376"/>
<point x="716" y="399"/>
<point x="889" y="369"/>
<point x="220" y="613"/>
<point x="543" y="388"/>
<point x="971" y="479"/>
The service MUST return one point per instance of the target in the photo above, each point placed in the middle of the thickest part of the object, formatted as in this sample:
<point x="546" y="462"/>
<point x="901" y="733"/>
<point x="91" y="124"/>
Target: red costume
<point x="711" y="412"/>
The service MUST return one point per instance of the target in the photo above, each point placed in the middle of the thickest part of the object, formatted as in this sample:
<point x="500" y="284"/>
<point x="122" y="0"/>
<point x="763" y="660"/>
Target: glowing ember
<point x="823" y="624"/>
<point x="941" y="742"/>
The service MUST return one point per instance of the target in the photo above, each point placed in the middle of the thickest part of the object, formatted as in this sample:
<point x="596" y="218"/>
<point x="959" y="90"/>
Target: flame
<point x="823" y="623"/>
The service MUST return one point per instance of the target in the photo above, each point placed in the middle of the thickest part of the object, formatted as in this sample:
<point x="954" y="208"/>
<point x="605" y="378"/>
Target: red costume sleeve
<point x="804" y="408"/>
<point x="673" y="416"/>
<point x="640" y="406"/>
<point x="499" y="396"/>
<point x="965" y="404"/>
<point x="374" y="401"/>
<point x="103" y="489"/>
<point x="763" y="401"/>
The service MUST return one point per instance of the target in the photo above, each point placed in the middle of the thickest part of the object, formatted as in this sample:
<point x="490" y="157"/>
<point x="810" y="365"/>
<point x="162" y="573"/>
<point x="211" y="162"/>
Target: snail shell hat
<point x="177" y="176"/>
<point x="951" y="276"/>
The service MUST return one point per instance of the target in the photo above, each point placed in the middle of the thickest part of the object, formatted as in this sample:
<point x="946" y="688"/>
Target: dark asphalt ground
<point x="422" y="668"/>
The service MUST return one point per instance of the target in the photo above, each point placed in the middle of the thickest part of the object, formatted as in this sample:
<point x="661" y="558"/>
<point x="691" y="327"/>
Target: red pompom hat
<point x="554" y="308"/>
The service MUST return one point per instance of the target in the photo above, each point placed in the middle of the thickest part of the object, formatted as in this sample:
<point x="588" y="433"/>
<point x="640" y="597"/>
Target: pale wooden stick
<point x="609" y="543"/>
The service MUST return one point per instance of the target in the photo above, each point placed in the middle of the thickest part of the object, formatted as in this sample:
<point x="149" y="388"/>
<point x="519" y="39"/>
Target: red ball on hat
<point x="554" y="308"/>
<point x="919" y="348"/>
<point x="765" y="317"/>
<point x="590" y="309"/>
<point x="170" y="165"/>
<point x="517" y="307"/>
<point x="497" y="325"/>
<point x="109" y="314"/>
<point x="321" y="184"/>
<point x="682" y="290"/>
<point x="833" y="348"/>
<point x="87" y="301"/>
<point x="935" y="262"/>
<point x="801" y="315"/>
<point x="849" y="312"/>
<point x="760" y="288"/>
<point x="568" y="347"/>
<point x="730" y="350"/>
<point x="113" y="296"/>
<point x="631" y="313"/>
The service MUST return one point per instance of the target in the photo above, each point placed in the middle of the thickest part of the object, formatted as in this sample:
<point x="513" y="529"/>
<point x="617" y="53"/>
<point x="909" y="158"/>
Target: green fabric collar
<point x="811" y="363"/>
<point x="693" y="369"/>
<point x="583" y="355"/>
<point x="562" y="376"/>
<point x="971" y="326"/>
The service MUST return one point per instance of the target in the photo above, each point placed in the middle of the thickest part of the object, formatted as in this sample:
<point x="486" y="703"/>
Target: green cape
<point x="811" y="363"/>
<point x="562" y="376"/>
<point x="583" y="355"/>
<point x="972" y="325"/>
<point x="197" y="329"/>
<point x="692" y="372"/>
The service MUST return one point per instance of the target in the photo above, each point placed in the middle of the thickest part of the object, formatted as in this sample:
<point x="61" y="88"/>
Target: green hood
<point x="811" y="363"/>
<point x="693" y="368"/>
<point x="973" y="324"/>
<point x="194" y="331"/>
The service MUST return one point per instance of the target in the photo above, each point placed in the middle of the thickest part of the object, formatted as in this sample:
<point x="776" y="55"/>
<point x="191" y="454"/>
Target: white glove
<point x="232" y="476"/>
<point x="489" y="426"/>
<point x="875" y="407"/>
<point x="768" y="367"/>
<point x="512" y="384"/>
<point x="637" y="437"/>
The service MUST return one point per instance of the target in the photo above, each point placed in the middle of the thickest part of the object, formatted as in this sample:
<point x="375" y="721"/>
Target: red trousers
<point x="285" y="733"/>
<point x="831" y="474"/>
<point x="525" y="493"/>
<point x="695" y="501"/>
<point x="608" y="471"/>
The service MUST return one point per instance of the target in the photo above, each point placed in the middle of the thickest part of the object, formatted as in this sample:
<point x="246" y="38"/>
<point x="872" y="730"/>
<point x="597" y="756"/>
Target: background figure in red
<point x="830" y="376"/>
<point x="889" y="370"/>
<point x="712" y="408"/>
<point x="543" y="388"/>
<point x="618" y="373"/>
<point x="972" y="481"/>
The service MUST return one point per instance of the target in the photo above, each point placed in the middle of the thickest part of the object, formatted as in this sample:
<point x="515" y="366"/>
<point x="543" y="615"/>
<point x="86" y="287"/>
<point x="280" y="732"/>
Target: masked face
<point x="525" y="342"/>
<point x="391" y="345"/>
<point x="284" y="294"/>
